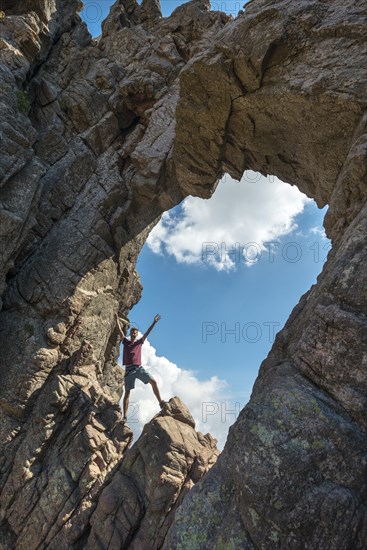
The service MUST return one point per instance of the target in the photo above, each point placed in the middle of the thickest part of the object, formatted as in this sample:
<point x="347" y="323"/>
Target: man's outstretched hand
<point x="156" y="319"/>
<point x="122" y="325"/>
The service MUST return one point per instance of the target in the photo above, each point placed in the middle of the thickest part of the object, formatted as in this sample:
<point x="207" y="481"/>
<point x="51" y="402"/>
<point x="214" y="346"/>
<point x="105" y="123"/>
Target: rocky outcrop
<point x="136" y="509"/>
<point x="99" y="137"/>
<point x="69" y="446"/>
<point x="80" y="487"/>
<point x="293" y="472"/>
<point x="78" y="199"/>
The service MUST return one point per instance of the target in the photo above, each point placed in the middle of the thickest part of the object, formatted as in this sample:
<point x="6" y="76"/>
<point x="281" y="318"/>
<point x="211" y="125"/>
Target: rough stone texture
<point x="99" y="137"/>
<point x="136" y="509"/>
<point x="69" y="446"/>
<point x="293" y="472"/>
<point x="86" y="126"/>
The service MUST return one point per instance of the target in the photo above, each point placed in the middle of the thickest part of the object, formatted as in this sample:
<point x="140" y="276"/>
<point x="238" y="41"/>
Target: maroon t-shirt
<point x="132" y="352"/>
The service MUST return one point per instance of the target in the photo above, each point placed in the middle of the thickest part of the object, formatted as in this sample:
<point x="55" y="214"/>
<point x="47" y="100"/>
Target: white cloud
<point x="250" y="213"/>
<point x="208" y="400"/>
<point x="318" y="231"/>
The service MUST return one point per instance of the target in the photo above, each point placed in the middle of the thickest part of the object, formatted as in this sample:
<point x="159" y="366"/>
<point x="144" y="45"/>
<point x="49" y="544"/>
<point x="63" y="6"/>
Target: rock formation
<point x="99" y="138"/>
<point x="136" y="509"/>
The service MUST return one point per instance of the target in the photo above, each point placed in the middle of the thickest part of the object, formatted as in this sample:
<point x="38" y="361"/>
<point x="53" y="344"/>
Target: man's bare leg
<point x="126" y="402"/>
<point x="156" y="391"/>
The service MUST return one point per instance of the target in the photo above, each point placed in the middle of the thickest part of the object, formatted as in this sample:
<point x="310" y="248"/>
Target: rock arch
<point x="101" y="137"/>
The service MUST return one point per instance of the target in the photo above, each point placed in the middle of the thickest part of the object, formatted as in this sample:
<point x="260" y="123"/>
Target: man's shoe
<point x="162" y="404"/>
<point x="124" y="420"/>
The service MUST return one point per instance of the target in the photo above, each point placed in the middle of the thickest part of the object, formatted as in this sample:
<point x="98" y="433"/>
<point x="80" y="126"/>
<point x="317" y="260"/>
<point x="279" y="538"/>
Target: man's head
<point x="133" y="333"/>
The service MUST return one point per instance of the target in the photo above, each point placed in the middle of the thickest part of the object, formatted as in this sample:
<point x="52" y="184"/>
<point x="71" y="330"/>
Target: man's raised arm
<point x="156" y="319"/>
<point x="120" y="329"/>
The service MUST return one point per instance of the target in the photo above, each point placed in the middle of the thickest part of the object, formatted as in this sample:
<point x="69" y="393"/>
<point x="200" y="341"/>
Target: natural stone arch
<point x="203" y="95"/>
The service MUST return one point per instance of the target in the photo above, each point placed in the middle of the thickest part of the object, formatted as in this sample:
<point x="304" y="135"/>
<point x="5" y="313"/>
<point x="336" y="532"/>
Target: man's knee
<point x="127" y="393"/>
<point x="153" y="382"/>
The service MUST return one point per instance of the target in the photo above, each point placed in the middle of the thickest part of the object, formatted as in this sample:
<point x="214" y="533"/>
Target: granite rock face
<point x="293" y="472"/>
<point x="86" y="127"/>
<point x="98" y="139"/>
<point x="136" y="509"/>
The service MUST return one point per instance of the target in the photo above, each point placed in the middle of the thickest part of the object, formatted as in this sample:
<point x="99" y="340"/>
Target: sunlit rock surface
<point x="136" y="509"/>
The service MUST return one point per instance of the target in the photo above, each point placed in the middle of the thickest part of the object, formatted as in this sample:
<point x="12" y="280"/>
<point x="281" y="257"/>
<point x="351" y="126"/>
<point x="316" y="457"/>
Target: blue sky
<point x="194" y="301"/>
<point x="219" y="319"/>
<point x="219" y="308"/>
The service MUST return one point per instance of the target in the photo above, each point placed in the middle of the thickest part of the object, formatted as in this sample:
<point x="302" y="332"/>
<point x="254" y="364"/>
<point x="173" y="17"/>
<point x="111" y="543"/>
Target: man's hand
<point x="120" y="328"/>
<point x="156" y="319"/>
<point x="121" y="320"/>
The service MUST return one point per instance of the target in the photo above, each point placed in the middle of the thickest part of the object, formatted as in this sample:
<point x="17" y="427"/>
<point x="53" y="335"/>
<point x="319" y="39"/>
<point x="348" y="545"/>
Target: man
<point x="132" y="362"/>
